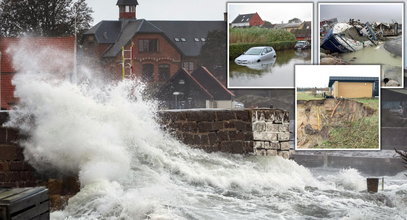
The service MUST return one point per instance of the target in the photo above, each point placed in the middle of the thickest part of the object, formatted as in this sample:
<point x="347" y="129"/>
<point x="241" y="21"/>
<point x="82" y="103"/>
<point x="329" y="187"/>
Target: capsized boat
<point x="343" y="38"/>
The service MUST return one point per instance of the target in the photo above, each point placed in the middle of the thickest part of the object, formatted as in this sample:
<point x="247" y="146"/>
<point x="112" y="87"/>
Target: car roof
<point x="260" y="47"/>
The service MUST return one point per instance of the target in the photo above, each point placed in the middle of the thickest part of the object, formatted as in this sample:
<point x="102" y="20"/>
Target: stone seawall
<point x="15" y="171"/>
<point x="249" y="131"/>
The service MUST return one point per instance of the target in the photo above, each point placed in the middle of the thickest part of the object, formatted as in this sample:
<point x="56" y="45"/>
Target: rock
<point x="309" y="130"/>
<point x="322" y="55"/>
<point x="392" y="83"/>
<point x="328" y="61"/>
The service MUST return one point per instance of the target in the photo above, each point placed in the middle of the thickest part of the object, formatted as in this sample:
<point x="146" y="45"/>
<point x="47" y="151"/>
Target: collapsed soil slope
<point x="318" y="120"/>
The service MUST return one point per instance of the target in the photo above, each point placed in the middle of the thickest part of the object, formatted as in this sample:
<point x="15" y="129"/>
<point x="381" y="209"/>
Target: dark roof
<point x="131" y="27"/>
<point x="119" y="33"/>
<point x="333" y="79"/>
<point x="127" y="2"/>
<point x="182" y="73"/>
<point x="243" y="18"/>
<point x="106" y="31"/>
<point x="212" y="84"/>
<point x="203" y="80"/>
<point x="189" y="30"/>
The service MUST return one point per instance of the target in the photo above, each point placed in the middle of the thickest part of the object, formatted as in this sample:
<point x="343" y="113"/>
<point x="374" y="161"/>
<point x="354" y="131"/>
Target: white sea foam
<point x="130" y="169"/>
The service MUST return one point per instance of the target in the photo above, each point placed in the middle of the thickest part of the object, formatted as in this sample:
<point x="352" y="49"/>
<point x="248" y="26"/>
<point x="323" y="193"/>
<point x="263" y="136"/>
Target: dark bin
<point x="24" y="203"/>
<point x="372" y="184"/>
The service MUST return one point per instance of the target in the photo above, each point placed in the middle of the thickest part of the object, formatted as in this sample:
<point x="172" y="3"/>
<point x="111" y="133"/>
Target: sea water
<point x="391" y="64"/>
<point x="131" y="169"/>
<point x="277" y="72"/>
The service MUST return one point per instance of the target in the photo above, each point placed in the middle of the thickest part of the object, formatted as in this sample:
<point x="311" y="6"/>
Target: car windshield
<point x="300" y="43"/>
<point x="254" y="51"/>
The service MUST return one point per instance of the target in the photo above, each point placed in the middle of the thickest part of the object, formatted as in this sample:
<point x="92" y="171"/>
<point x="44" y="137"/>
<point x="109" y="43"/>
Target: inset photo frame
<point x="265" y="41"/>
<point x="337" y="107"/>
<point x="364" y="33"/>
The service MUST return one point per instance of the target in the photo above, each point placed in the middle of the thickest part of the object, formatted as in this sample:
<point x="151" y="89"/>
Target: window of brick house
<point x="164" y="72"/>
<point x="148" y="45"/>
<point x="189" y="66"/>
<point x="148" y="72"/>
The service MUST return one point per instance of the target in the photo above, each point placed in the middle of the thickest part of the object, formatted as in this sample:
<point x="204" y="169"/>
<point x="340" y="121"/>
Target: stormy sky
<point x="365" y="12"/>
<point x="309" y="76"/>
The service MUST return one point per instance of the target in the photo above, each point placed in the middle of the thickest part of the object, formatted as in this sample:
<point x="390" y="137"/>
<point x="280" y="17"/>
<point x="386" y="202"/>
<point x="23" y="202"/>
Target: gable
<point x="244" y="18"/>
<point x="191" y="85"/>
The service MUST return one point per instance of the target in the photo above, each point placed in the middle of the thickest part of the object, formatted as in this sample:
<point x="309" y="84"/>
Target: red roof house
<point x="58" y="48"/>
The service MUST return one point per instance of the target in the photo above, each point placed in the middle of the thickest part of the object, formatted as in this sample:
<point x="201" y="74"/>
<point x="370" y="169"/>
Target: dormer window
<point x="196" y="39"/>
<point x="176" y="39"/>
<point x="203" y="39"/>
<point x="183" y="39"/>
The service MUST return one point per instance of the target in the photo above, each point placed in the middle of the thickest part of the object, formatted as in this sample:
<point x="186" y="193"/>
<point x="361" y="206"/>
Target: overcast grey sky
<point x="163" y="9"/>
<point x="272" y="12"/>
<point x="385" y="12"/>
<point x="308" y="76"/>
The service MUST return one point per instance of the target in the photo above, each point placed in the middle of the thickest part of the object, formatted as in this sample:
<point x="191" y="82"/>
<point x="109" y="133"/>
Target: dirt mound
<point x="315" y="118"/>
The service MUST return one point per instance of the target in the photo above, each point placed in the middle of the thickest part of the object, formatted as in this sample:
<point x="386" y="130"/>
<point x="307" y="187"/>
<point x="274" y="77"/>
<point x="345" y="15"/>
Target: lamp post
<point x="0" y="83"/>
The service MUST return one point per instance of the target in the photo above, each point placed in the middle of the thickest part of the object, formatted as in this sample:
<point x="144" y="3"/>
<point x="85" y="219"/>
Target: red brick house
<point x="153" y="50"/>
<point x="247" y="20"/>
<point x="63" y="44"/>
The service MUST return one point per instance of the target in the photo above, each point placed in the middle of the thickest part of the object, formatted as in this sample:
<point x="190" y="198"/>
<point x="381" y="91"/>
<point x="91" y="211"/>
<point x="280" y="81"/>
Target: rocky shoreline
<point x="331" y="59"/>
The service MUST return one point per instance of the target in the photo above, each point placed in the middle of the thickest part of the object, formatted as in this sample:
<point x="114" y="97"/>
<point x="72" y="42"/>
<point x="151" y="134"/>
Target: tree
<point x="213" y="54"/>
<point x="295" y="20"/>
<point x="43" y="18"/>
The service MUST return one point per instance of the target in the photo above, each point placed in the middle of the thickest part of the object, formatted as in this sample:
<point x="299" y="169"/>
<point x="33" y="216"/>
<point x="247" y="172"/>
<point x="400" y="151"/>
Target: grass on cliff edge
<point x="308" y="96"/>
<point x="359" y="134"/>
<point x="362" y="133"/>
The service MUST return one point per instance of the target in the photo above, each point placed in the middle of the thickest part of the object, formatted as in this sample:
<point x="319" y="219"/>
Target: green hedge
<point x="236" y="50"/>
<point x="259" y="35"/>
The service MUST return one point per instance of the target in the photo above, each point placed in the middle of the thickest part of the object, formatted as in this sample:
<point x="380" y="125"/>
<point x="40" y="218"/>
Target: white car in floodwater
<point x="256" y="55"/>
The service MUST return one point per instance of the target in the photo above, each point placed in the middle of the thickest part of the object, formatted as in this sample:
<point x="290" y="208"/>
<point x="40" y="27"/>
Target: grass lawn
<point x="308" y="96"/>
<point x="372" y="103"/>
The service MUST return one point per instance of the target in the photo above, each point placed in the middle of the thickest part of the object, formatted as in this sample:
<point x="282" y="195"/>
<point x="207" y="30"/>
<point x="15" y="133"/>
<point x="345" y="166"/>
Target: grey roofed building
<point x="244" y="18"/>
<point x="332" y="79"/>
<point x="374" y="80"/>
<point x="187" y="36"/>
<point x="127" y="2"/>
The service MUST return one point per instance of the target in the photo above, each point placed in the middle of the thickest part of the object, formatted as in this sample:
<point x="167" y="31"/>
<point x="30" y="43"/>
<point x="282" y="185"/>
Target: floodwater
<point x="391" y="64"/>
<point x="274" y="73"/>
<point x="129" y="168"/>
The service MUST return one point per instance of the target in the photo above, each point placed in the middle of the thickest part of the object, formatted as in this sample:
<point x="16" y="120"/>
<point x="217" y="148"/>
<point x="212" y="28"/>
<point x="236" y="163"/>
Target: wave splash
<point x="131" y="169"/>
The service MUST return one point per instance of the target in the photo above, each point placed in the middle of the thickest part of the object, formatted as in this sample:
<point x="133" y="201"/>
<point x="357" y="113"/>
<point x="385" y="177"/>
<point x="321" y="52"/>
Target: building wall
<point x="256" y="20"/>
<point x="336" y="89"/>
<point x="7" y="90"/>
<point x="354" y="90"/>
<point x="247" y="24"/>
<point x="167" y="54"/>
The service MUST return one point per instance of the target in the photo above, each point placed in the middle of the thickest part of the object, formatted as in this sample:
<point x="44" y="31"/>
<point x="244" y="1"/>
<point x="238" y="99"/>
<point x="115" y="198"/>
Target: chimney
<point x="127" y="9"/>
<point x="225" y="16"/>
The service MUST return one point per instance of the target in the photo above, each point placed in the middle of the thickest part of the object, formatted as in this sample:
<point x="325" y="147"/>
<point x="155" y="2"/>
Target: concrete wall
<point x="249" y="131"/>
<point x="394" y="137"/>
